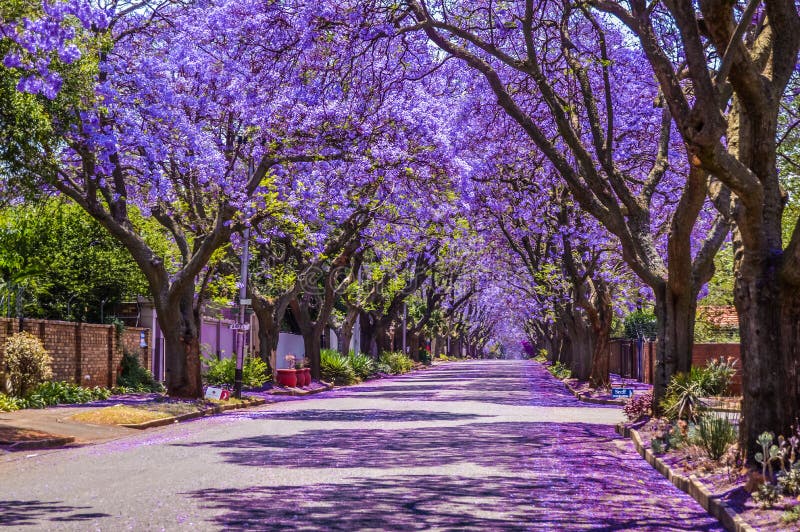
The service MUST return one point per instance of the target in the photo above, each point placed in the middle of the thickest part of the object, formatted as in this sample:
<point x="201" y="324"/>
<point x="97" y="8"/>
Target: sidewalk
<point x="49" y="427"/>
<point x="54" y="426"/>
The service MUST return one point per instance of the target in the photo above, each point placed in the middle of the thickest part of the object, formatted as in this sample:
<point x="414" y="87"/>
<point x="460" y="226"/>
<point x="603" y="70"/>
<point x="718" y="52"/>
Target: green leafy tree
<point x="56" y="262"/>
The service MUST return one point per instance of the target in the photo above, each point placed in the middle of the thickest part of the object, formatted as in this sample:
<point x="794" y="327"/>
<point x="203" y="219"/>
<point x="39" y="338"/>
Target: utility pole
<point x="405" y="319"/>
<point x="242" y="328"/>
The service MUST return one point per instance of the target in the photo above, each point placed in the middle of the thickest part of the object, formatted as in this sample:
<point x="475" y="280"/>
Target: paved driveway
<point x="473" y="445"/>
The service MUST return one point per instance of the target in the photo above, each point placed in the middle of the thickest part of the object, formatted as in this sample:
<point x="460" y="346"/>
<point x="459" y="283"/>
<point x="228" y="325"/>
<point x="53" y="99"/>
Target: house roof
<point x="723" y="316"/>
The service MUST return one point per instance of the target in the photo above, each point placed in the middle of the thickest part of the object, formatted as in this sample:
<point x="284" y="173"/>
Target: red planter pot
<point x="307" y="375"/>
<point x="287" y="377"/>
<point x="301" y="377"/>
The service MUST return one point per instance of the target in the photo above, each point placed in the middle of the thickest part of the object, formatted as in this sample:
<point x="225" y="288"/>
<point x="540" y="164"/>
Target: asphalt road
<point x="473" y="445"/>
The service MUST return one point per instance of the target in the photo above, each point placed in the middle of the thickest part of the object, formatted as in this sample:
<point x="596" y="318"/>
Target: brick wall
<point x="702" y="353"/>
<point x="625" y="359"/>
<point x="85" y="353"/>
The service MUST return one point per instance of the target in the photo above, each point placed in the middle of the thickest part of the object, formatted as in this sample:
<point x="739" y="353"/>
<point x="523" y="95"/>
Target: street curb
<point x="583" y="398"/>
<point x="302" y="392"/>
<point x="690" y="485"/>
<point x="193" y="415"/>
<point x="40" y="444"/>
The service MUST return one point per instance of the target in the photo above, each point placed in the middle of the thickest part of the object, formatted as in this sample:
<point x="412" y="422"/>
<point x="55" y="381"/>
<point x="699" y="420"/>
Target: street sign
<point x="240" y="326"/>
<point x="245" y="301"/>
<point x="619" y="393"/>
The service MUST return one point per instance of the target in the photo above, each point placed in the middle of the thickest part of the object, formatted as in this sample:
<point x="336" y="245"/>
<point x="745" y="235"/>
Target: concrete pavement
<point x="482" y="445"/>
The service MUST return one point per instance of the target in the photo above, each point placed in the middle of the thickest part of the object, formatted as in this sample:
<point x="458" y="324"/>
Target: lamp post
<point x="243" y="302"/>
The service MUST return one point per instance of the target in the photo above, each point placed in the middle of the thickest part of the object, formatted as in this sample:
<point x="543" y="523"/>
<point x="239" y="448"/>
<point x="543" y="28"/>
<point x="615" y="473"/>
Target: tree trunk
<point x="413" y="346"/>
<point x="581" y="346"/>
<point x="268" y="334"/>
<point x="767" y="288"/>
<point x="675" y="310"/>
<point x="382" y="338"/>
<point x="346" y="331"/>
<point x="313" y="347"/>
<point x="601" y="327"/>
<point x="769" y="327"/>
<point x="180" y="325"/>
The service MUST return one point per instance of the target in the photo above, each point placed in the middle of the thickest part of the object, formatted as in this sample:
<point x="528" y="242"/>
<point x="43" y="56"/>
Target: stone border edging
<point x="301" y="392"/>
<point x="690" y="485"/>
<point x="193" y="415"/>
<point x="46" y="443"/>
<point x="594" y="400"/>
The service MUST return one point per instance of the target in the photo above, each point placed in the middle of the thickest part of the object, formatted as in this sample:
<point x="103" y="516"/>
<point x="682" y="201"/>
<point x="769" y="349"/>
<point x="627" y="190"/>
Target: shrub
<point x="791" y="516"/>
<point x="638" y="407"/>
<point x="27" y="363"/>
<point x="789" y="480"/>
<point x="683" y="397"/>
<point x="336" y="368"/>
<point x="136" y="378"/>
<point x="640" y="324"/>
<point x="363" y="366"/>
<point x="425" y="357"/>
<point x="222" y="372"/>
<point x="718" y="375"/>
<point x="9" y="403"/>
<point x="767" y="495"/>
<point x="254" y="372"/>
<point x="714" y="434"/>
<point x="658" y="447"/>
<point x="559" y="370"/>
<point x="397" y="362"/>
<point x="63" y="393"/>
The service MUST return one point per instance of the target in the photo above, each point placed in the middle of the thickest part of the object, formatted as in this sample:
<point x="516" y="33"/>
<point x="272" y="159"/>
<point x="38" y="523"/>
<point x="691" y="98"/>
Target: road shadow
<point x="393" y="416"/>
<point x="415" y="502"/>
<point x="14" y="513"/>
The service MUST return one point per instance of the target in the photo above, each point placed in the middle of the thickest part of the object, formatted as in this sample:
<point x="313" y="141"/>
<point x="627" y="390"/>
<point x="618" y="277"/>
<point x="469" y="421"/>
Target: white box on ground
<point x="215" y="392"/>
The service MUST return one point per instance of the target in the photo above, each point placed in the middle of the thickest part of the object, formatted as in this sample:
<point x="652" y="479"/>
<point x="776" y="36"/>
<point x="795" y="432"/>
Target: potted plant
<point x="288" y="376"/>
<point x="301" y="378"/>
<point x="307" y="371"/>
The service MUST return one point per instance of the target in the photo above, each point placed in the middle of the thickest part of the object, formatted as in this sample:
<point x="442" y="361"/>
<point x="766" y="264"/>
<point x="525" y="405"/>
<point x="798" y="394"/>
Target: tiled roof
<point x="719" y="316"/>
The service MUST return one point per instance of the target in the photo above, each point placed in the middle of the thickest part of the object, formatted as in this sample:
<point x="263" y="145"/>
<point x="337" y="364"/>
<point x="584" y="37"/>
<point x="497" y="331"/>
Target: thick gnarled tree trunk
<point x="179" y="320"/>
<point x="675" y="315"/>
<point x="601" y="319"/>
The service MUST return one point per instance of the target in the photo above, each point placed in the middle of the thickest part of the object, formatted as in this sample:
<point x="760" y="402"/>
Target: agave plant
<point x="363" y="366"/>
<point x="684" y="399"/>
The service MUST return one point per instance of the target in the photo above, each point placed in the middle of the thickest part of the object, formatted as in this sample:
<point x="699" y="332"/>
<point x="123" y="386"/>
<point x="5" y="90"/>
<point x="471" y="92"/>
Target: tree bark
<point x="313" y="347"/>
<point x="180" y="324"/>
<point x="346" y="331"/>
<point x="413" y="346"/>
<point x="601" y="328"/>
<point x="383" y="340"/>
<point x="675" y="309"/>
<point x="269" y="313"/>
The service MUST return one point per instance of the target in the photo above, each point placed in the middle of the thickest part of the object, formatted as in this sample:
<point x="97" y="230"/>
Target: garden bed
<point x="725" y="480"/>
<point x="582" y="388"/>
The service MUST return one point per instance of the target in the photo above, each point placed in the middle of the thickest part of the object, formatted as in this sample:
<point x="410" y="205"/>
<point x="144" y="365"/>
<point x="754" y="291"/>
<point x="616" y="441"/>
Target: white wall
<point x="355" y="341"/>
<point x="289" y="344"/>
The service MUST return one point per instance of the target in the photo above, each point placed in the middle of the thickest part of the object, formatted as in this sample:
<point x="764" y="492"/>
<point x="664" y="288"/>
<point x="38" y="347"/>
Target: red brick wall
<point x="702" y="353"/>
<point x="86" y="353"/>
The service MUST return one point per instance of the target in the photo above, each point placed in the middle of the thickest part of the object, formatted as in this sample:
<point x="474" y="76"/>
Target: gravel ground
<point x="482" y="445"/>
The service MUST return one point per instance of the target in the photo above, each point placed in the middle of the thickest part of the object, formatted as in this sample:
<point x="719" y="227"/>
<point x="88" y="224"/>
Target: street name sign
<point x="619" y="393"/>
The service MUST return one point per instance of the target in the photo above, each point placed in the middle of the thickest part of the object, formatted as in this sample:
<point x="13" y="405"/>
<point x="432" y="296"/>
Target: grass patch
<point x="119" y="415"/>
<point x="130" y="415"/>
